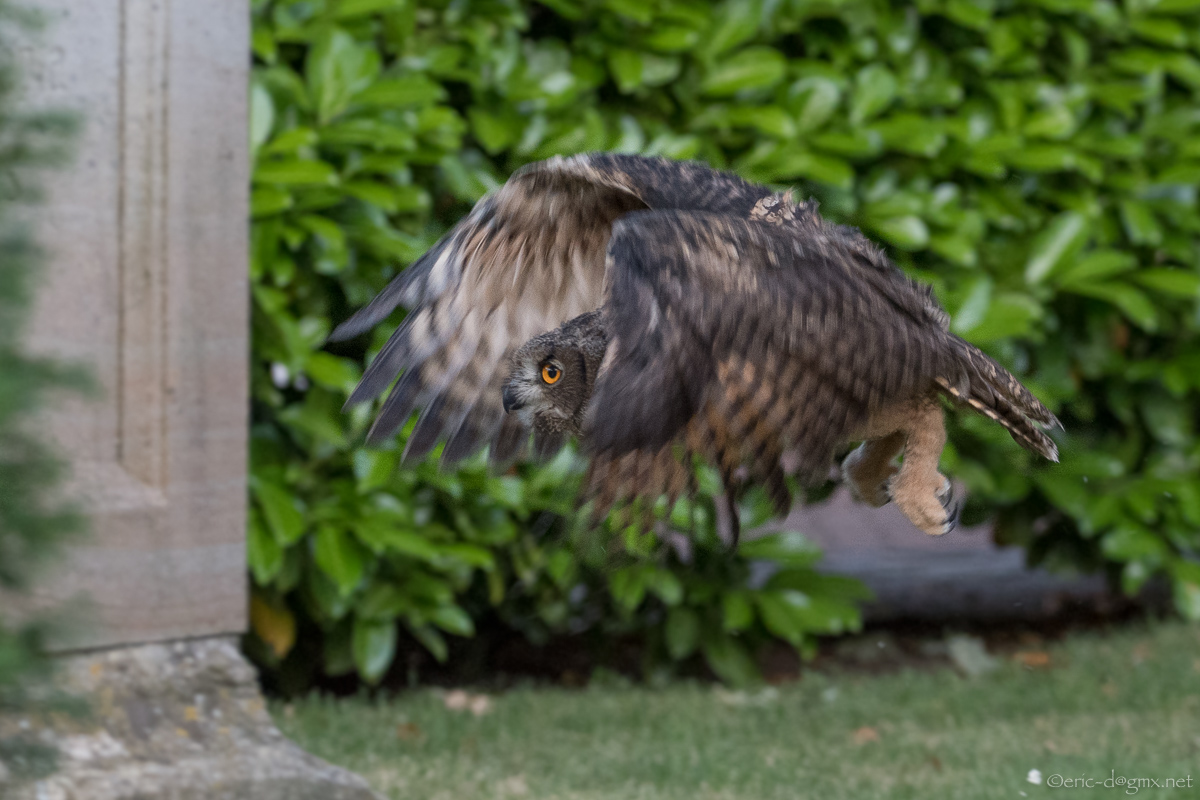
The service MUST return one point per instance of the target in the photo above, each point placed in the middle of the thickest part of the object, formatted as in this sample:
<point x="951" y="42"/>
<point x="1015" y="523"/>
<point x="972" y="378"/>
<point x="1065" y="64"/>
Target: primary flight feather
<point x="663" y="310"/>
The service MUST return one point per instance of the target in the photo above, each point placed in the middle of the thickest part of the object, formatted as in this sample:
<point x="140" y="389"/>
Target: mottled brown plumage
<point x="734" y="325"/>
<point x="526" y="259"/>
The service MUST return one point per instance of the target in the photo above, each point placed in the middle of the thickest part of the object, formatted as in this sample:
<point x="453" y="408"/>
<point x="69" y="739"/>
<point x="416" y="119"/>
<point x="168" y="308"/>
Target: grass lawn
<point x="1126" y="702"/>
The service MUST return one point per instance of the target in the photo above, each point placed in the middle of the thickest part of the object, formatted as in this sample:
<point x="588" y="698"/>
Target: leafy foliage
<point x="1036" y="161"/>
<point x="32" y="521"/>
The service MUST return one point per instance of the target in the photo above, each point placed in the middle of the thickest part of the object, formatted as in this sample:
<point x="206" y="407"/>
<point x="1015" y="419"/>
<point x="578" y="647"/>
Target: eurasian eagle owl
<point x="690" y="314"/>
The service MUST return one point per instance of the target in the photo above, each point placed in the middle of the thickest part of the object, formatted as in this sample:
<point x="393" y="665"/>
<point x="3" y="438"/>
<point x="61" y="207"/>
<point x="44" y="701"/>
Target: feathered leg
<point x="869" y="468"/>
<point x="921" y="492"/>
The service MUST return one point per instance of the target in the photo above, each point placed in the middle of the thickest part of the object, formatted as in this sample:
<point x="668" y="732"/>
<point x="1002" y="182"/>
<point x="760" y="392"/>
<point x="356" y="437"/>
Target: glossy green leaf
<point x="814" y="101"/>
<point x="785" y="614"/>
<point x="383" y="602"/>
<point x="377" y="194"/>
<point x="1097" y="265"/>
<point x="1163" y="31"/>
<point x="682" y="632"/>
<point x="349" y="9"/>
<point x="734" y="22"/>
<point x="771" y="120"/>
<point x="495" y="132"/>
<point x="453" y="619"/>
<point x="263" y="45"/>
<point x="1128" y="543"/>
<point x="374" y="647"/>
<point x="262" y="115"/>
<point x="1185" y="588"/>
<point x="1010" y="314"/>
<point x="370" y="133"/>
<point x="874" y="90"/>
<point x="339" y="557"/>
<point x="332" y="372"/>
<point x="337" y="68"/>
<point x="906" y="233"/>
<point x="1141" y="226"/>
<point x="974" y="307"/>
<point x="263" y="551"/>
<point x="910" y="133"/>
<point x="626" y="67"/>
<point x="383" y="535"/>
<point x="1132" y="302"/>
<point x="956" y="249"/>
<point x="1054" y="122"/>
<point x="628" y="587"/>
<point x="665" y="586"/>
<point x="433" y="641"/>
<point x="411" y="90"/>
<point x="860" y="143"/>
<point x="290" y="142"/>
<point x="1043" y="158"/>
<point x="633" y="10"/>
<point x="1173" y="282"/>
<point x="265" y="202"/>
<point x="737" y="611"/>
<point x="477" y="556"/>
<point x="791" y="164"/>
<point x="1170" y="420"/>
<point x="1177" y="6"/>
<point x="295" y="173"/>
<point x="752" y="68"/>
<point x="672" y="38"/>
<point x="975" y="15"/>
<point x="1056" y="245"/>
<point x="730" y="661"/>
<point x="788" y="547"/>
<point x="280" y="509"/>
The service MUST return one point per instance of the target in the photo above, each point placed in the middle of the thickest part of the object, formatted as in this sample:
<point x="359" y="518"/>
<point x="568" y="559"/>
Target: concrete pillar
<point x="148" y="284"/>
<point x="147" y="233"/>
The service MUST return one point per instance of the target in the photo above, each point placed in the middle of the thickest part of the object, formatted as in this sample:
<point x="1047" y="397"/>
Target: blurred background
<point x="1035" y="161"/>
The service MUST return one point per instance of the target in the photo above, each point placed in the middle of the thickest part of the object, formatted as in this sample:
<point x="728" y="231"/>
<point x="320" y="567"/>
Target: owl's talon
<point x="877" y="496"/>
<point x="953" y="507"/>
<point x="869" y="470"/>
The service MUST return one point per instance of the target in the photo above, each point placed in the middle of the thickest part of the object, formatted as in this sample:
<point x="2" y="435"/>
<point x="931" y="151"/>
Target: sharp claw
<point x="947" y="490"/>
<point x="953" y="508"/>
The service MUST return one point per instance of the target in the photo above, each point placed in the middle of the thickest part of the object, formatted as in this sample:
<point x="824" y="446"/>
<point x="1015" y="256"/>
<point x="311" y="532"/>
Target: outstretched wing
<point x="527" y="258"/>
<point x="737" y="340"/>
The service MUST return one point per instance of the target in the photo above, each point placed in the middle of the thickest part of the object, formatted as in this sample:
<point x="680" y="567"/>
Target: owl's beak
<point x="511" y="401"/>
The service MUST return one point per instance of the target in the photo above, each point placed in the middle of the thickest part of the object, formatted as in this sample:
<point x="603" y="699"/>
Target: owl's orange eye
<point x="551" y="374"/>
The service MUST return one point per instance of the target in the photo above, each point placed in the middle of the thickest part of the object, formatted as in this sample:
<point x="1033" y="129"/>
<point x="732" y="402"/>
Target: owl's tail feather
<point x="994" y="392"/>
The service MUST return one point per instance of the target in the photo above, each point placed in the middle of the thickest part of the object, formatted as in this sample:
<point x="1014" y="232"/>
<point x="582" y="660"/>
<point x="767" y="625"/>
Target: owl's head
<point x="551" y="376"/>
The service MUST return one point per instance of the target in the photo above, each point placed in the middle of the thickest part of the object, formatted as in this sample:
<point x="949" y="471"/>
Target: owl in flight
<point x="664" y="311"/>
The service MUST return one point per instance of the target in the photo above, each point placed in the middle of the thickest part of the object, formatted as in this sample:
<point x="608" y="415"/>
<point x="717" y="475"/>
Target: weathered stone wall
<point x="148" y="286"/>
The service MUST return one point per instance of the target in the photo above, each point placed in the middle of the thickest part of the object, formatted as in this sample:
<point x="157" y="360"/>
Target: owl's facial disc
<point x="542" y="387"/>
<point x="527" y="387"/>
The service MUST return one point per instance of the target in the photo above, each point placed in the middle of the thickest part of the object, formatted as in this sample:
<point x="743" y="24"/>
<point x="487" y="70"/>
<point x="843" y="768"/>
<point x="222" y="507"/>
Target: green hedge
<point x="1037" y="162"/>
<point x="32" y="520"/>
